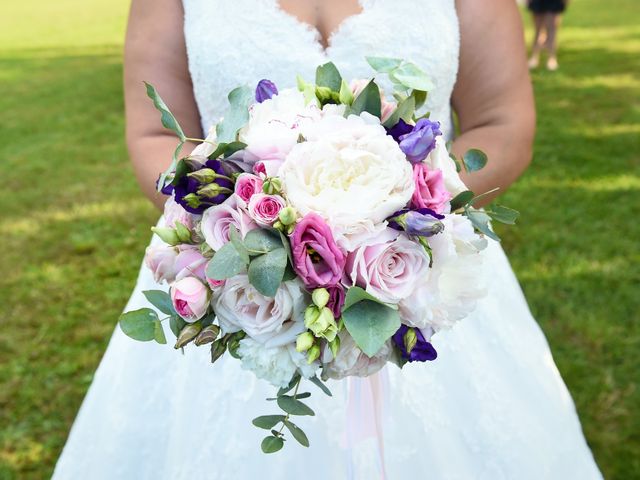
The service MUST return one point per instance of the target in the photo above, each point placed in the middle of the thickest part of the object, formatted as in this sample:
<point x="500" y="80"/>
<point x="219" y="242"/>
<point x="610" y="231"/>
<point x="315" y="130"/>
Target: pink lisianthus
<point x="173" y="212"/>
<point x="246" y="186"/>
<point x="388" y="266"/>
<point x="161" y="261"/>
<point x="190" y="262"/>
<point x="264" y="209"/>
<point x="430" y="191"/>
<point x="190" y="298"/>
<point x="316" y="257"/>
<point x="217" y="220"/>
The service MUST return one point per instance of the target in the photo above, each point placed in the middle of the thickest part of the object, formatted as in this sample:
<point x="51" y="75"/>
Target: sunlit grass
<point x="74" y="226"/>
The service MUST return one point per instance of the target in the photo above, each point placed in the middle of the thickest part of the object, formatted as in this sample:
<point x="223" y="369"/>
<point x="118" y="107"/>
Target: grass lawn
<point x="73" y="225"/>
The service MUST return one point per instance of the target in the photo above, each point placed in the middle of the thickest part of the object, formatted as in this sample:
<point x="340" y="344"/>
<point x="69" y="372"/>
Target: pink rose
<point x="247" y="185"/>
<point x="430" y="191"/>
<point x="268" y="168"/>
<point x="190" y="262"/>
<point x="217" y="220"/>
<point x="388" y="266"/>
<point x="173" y="212"/>
<point x="190" y="298"/>
<point x="264" y="209"/>
<point x="387" y="108"/>
<point x="316" y="257"/>
<point x="161" y="261"/>
<point x="214" y="284"/>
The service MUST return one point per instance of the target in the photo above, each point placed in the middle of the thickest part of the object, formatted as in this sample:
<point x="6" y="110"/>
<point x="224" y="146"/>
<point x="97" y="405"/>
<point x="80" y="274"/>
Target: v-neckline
<point x="317" y="34"/>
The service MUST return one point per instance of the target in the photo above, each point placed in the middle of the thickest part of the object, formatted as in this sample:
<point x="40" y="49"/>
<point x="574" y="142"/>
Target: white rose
<point x="439" y="158"/>
<point x="272" y="321"/>
<point x="277" y="365"/>
<point x="349" y="171"/>
<point x="353" y="362"/>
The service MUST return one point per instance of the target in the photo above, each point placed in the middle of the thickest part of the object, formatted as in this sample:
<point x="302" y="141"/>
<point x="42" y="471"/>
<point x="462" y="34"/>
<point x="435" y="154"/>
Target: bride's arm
<point x="155" y="52"/>
<point x="493" y="96"/>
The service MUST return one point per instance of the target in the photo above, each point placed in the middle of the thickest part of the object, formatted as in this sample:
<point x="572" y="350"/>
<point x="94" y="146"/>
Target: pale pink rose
<point x="173" y="212"/>
<point x="217" y="220"/>
<point x="190" y="262"/>
<point x="190" y="298"/>
<point x="387" y="107"/>
<point x="430" y="190"/>
<point x="264" y="209"/>
<point x="161" y="261"/>
<point x="388" y="266"/>
<point x="246" y="186"/>
<point x="213" y="283"/>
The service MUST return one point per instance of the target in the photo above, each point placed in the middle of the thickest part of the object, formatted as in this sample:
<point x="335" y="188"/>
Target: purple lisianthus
<point x="196" y="194"/>
<point x="399" y="129"/>
<point x="419" y="142"/>
<point x="316" y="256"/>
<point x="422" y="222"/>
<point x="422" y="351"/>
<point x="265" y="90"/>
<point x="336" y="300"/>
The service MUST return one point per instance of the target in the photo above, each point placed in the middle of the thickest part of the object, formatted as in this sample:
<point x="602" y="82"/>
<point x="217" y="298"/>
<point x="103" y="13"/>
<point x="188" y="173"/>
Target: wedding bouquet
<point x="316" y="233"/>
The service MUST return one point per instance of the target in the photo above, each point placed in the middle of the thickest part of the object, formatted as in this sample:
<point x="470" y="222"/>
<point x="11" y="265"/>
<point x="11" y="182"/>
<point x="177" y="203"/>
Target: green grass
<point x="74" y="226"/>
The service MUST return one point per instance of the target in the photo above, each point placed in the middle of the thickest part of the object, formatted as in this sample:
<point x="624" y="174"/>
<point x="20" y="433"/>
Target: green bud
<point x="304" y="341"/>
<point x="313" y="354"/>
<point x="279" y="226"/>
<point x="168" y="235"/>
<point x="217" y="349"/>
<point x="206" y="250"/>
<point x="234" y="342"/>
<point x="321" y="322"/>
<point x="311" y="314"/>
<point x="287" y="215"/>
<point x="290" y="229"/>
<point x="204" y="175"/>
<point x="212" y="190"/>
<point x="272" y="185"/>
<point x="187" y="334"/>
<point x="192" y="200"/>
<point x="320" y="297"/>
<point x="184" y="234"/>
<point x="410" y="339"/>
<point x="334" y="346"/>
<point x="207" y="335"/>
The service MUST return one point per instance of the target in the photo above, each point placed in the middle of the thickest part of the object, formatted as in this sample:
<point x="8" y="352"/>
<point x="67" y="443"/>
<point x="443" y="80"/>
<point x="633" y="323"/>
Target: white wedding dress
<point x="492" y="406"/>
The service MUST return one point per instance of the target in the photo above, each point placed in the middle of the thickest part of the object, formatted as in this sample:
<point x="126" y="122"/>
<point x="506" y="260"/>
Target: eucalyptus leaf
<point x="271" y="444"/>
<point x="227" y="149"/>
<point x="297" y="433"/>
<point x="299" y="396"/>
<point x="261" y="240"/>
<point x="293" y="406"/>
<point x="167" y="118"/>
<point x="368" y="100"/>
<point x="158" y="333"/>
<point x="461" y="200"/>
<point x="236" y="240"/>
<point x="320" y="384"/>
<point x="237" y="114"/>
<point x="480" y="220"/>
<point x="162" y="180"/>
<point x="161" y="300"/>
<point x="176" y="324"/>
<point x="409" y="75"/>
<point x="405" y="110"/>
<point x="267" y="271"/>
<point x="383" y="64"/>
<point x="502" y="214"/>
<point x="139" y="324"/>
<point x="474" y="160"/>
<point x="294" y="381"/>
<point x="327" y="75"/>
<point x="267" y="421"/>
<point x="370" y="324"/>
<point x="420" y="97"/>
<point x="357" y="294"/>
<point x="226" y="263"/>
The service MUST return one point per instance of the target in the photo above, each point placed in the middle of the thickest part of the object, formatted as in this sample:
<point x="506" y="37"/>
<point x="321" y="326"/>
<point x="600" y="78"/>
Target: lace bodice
<point x="230" y="43"/>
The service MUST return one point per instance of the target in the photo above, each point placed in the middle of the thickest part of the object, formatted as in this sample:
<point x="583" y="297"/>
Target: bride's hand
<point x="493" y="96"/>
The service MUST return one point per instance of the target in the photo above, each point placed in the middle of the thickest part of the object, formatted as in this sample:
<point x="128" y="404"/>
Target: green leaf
<point x="227" y="149"/>
<point x="308" y="90"/>
<point x="261" y="240"/>
<point x="167" y="118"/>
<point x="405" y="110"/>
<point x="161" y="300"/>
<point x="139" y="324"/>
<point x="474" y="160"/>
<point x="357" y="294"/>
<point x="288" y="388"/>
<point x="461" y="200"/>
<point x="383" y="64"/>
<point x="271" y="444"/>
<point x="320" y="384"/>
<point x="299" y="396"/>
<point x="226" y="263"/>
<point x="327" y="75"/>
<point x="409" y="75"/>
<point x="297" y="433"/>
<point x="419" y="97"/>
<point x="368" y="100"/>
<point x="158" y="333"/>
<point x="480" y="221"/>
<point x="346" y="95"/>
<point x="370" y="324"/>
<point x="267" y="271"/>
<point x="502" y="214"/>
<point x="176" y="323"/>
<point x="237" y="114"/>
<point x="171" y="169"/>
<point x="267" y="421"/>
<point x="293" y="406"/>
<point x="236" y="240"/>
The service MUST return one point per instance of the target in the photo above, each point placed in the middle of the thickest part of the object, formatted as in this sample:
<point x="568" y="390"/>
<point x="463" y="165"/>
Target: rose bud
<point x="190" y="298"/>
<point x="247" y="185"/>
<point x="187" y="334"/>
<point x="207" y="335"/>
<point x="264" y="209"/>
<point x="217" y="349"/>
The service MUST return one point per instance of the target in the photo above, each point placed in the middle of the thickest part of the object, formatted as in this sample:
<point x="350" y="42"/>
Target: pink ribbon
<point x="366" y="399"/>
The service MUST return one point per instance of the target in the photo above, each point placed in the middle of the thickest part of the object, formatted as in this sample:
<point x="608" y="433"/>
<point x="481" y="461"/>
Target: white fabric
<point x="492" y="406"/>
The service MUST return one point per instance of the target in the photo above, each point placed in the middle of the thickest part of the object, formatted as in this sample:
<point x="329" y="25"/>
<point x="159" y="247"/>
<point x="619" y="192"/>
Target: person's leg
<point x="538" y="39"/>
<point x="552" y="23"/>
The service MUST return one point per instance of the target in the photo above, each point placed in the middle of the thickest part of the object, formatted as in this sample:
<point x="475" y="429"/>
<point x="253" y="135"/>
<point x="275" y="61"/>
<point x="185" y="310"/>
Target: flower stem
<point x="295" y="392"/>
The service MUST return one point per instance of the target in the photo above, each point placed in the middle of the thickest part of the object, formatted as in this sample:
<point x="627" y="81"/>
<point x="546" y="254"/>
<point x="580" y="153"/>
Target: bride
<point x="493" y="406"/>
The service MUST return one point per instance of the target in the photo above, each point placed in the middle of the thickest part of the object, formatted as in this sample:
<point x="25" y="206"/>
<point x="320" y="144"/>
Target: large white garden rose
<point x="439" y="158"/>
<point x="349" y="171"/>
<point x="271" y="321"/>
